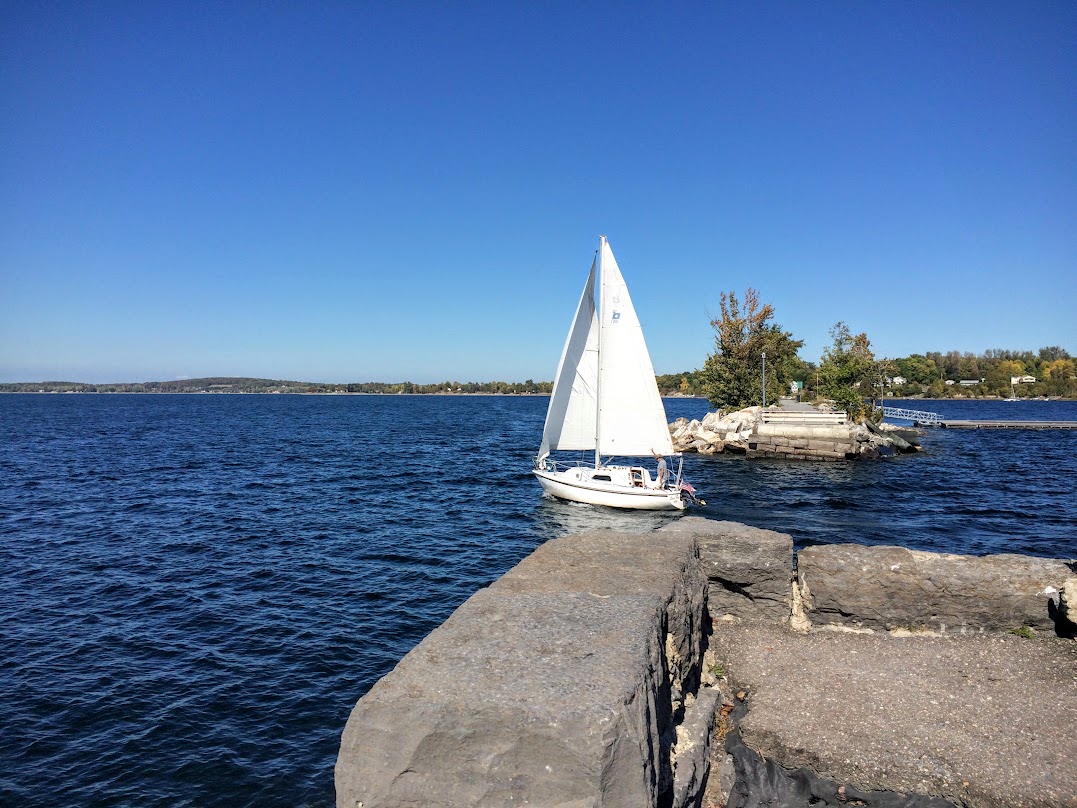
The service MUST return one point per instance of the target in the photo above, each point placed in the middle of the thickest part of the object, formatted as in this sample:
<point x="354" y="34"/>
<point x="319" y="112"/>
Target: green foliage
<point x="686" y="383"/>
<point x="917" y="368"/>
<point x="1051" y="367"/>
<point x="1053" y="352"/>
<point x="732" y="377"/>
<point x="926" y="374"/>
<point x="849" y="372"/>
<point x="1023" y="631"/>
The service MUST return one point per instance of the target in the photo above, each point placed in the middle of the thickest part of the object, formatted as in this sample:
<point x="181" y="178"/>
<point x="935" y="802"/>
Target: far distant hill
<point x="231" y="384"/>
<point x="674" y="384"/>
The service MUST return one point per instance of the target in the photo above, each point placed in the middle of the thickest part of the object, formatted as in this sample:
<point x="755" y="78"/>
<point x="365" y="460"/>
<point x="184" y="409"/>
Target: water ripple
<point x="196" y="589"/>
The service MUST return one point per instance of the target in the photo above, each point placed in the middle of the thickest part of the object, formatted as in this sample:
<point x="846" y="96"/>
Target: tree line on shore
<point x="228" y="384"/>
<point x="849" y="375"/>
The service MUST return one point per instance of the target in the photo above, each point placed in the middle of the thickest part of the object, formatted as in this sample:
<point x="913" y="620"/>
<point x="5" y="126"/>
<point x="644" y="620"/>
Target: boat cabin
<point x="620" y="476"/>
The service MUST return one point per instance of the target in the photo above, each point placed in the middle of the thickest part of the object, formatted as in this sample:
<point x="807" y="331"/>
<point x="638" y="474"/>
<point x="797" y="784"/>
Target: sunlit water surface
<point x="195" y="590"/>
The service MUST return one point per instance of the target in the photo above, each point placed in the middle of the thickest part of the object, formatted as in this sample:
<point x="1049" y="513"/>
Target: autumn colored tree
<point x="732" y="377"/>
<point x="1059" y="369"/>
<point x="999" y="377"/>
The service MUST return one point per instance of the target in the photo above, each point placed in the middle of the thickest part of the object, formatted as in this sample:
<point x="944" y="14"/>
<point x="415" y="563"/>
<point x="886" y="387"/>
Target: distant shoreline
<point x="979" y="398"/>
<point x="245" y="393"/>
<point x="249" y="385"/>
<point x="436" y="394"/>
<point x="319" y="393"/>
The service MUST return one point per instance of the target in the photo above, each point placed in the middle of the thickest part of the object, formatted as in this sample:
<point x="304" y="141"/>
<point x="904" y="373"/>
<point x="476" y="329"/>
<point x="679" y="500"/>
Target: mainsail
<point x="573" y="412"/>
<point x="604" y="395"/>
<point x="631" y="418"/>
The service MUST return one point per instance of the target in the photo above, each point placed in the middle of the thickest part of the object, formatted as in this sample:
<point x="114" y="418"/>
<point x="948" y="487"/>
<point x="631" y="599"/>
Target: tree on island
<point x="732" y="377"/>
<point x="849" y="372"/>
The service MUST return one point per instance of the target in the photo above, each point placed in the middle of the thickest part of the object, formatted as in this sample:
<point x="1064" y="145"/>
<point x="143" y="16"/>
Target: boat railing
<point x="549" y="464"/>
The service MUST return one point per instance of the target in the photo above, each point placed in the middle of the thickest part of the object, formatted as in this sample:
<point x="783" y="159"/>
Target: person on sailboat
<point x="660" y="472"/>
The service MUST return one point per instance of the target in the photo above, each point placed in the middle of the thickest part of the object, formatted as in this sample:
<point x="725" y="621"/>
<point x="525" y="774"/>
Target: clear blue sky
<point x="388" y="191"/>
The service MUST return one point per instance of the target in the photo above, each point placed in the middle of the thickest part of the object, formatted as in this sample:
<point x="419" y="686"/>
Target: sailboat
<point x="605" y="399"/>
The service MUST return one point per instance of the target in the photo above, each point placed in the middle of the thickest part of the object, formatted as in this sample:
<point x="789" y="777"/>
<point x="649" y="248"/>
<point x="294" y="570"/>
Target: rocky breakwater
<point x="895" y="589"/>
<point x="794" y="435"/>
<point x="707" y="664"/>
<point x="895" y="678"/>
<point x="572" y="680"/>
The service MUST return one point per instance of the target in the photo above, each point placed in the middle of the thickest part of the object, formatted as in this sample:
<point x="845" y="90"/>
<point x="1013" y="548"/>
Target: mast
<point x="598" y="384"/>
<point x="632" y="419"/>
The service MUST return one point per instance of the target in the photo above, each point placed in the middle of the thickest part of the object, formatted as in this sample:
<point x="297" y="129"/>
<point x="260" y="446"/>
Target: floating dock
<point x="947" y="424"/>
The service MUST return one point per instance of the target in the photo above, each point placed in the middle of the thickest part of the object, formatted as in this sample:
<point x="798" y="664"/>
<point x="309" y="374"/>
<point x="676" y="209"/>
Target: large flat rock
<point x="885" y="587"/>
<point x="979" y="720"/>
<point x="552" y="687"/>
<point x="750" y="570"/>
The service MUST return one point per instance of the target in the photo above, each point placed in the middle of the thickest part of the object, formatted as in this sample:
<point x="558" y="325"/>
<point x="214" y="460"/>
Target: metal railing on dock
<point x="916" y="416"/>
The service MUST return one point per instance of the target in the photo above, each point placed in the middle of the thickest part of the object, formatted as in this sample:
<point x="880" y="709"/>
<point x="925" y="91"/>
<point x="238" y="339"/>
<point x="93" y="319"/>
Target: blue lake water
<point x="195" y="590"/>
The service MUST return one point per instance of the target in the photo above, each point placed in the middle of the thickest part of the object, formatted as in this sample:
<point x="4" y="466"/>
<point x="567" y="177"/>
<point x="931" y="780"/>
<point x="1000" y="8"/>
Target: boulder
<point x="686" y="437"/>
<point x="1066" y="613"/>
<point x="743" y="432"/>
<point x="712" y="421"/>
<point x="889" y="437"/>
<point x="553" y="686"/>
<point x="749" y="570"/>
<point x="887" y="587"/>
<point x="693" y="749"/>
<point x="1069" y="599"/>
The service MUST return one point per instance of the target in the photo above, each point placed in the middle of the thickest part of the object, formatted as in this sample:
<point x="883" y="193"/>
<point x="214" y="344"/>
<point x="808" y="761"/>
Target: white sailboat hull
<point x="577" y="485"/>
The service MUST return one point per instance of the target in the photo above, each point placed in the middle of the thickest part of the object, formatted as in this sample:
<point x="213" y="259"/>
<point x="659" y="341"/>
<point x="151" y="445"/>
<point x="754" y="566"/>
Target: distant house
<point x="1026" y="379"/>
<point x="950" y="382"/>
<point x="897" y="380"/>
<point x="969" y="382"/>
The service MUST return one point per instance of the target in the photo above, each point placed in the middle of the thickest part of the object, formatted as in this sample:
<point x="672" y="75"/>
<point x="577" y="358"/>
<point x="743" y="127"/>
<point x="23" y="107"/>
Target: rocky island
<point x="800" y="434"/>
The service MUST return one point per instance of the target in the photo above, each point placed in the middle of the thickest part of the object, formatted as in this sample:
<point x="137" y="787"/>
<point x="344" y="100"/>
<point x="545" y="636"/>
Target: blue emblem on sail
<point x="616" y="316"/>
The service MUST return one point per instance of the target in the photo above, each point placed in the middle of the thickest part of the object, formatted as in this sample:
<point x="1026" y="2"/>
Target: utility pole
<point x="764" y="378"/>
